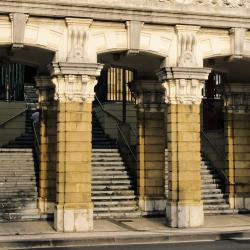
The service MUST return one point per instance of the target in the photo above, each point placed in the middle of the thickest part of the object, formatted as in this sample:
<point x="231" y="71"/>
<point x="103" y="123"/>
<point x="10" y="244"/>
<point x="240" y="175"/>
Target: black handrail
<point x="118" y="122"/>
<point x="13" y="117"/>
<point x="219" y="154"/>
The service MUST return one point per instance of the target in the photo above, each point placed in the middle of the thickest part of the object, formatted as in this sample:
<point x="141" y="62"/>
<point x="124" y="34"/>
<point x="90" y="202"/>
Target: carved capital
<point x="149" y="95"/>
<point x="187" y="45"/>
<point x="183" y="85"/>
<point x="75" y="82"/>
<point x="237" y="98"/>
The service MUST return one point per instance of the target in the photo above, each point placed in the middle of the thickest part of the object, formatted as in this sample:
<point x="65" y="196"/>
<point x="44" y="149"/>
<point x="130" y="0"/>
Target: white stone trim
<point x="183" y="85"/>
<point x="73" y="220"/>
<point x="184" y="215"/>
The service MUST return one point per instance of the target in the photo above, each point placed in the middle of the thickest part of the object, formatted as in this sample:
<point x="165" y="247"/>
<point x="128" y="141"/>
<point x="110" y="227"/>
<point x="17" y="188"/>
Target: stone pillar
<point x="74" y="84"/>
<point x="150" y="146"/>
<point x="183" y="96"/>
<point x="47" y="158"/>
<point x="237" y="132"/>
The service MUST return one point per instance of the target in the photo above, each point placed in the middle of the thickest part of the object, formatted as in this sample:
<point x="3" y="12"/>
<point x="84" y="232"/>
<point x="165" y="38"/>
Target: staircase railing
<point x="219" y="158"/>
<point x="13" y="117"/>
<point x="119" y="124"/>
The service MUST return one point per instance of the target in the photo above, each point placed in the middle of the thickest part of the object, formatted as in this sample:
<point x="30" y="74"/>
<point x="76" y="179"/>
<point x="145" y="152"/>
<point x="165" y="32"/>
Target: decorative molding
<point x="75" y="82"/>
<point x="149" y="95"/>
<point x="183" y="85"/>
<point x="134" y="36"/>
<point x="237" y="98"/>
<point x="18" y="25"/>
<point x="187" y="45"/>
<point x="237" y="42"/>
<point x="79" y="40"/>
<point x="74" y="88"/>
<point x="215" y="3"/>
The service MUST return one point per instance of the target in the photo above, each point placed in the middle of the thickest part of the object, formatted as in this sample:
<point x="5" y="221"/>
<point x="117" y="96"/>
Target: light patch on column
<point x="54" y="39"/>
<point x="5" y="33"/>
<point x="121" y="39"/>
<point x="31" y="34"/>
<point x="221" y="45"/>
<point x="164" y="45"/>
<point x="145" y="41"/>
<point x="100" y="42"/>
<point x="42" y="38"/>
<point x="205" y="47"/>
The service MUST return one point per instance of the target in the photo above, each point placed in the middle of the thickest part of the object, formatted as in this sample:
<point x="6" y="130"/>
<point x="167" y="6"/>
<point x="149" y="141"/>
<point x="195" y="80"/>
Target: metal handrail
<point x="219" y="153"/>
<point x="36" y="136"/>
<point x="13" y="117"/>
<point x="118" y="122"/>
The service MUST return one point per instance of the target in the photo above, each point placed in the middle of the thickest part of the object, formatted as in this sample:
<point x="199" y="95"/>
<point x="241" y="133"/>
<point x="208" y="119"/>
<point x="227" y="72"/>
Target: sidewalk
<point x="41" y="233"/>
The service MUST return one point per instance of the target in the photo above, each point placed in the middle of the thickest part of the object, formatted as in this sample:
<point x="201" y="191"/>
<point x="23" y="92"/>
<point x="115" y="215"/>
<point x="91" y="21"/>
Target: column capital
<point x="149" y="95"/>
<point x="75" y="81"/>
<point x="237" y="97"/>
<point x="183" y="85"/>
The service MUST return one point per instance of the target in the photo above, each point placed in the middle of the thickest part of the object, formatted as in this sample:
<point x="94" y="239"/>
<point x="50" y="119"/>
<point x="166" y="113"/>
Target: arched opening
<point x="19" y="129"/>
<point x="225" y="123"/>
<point x="115" y="126"/>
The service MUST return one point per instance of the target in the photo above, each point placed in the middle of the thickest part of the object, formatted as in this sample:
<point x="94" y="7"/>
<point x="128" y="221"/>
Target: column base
<point x="182" y="215"/>
<point x="240" y="203"/>
<point x="153" y="206"/>
<point x="45" y="206"/>
<point x="73" y="219"/>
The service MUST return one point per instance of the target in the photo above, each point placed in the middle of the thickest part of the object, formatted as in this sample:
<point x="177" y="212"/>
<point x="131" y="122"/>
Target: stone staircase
<point x="214" y="201"/>
<point x="112" y="191"/>
<point x="18" y="193"/>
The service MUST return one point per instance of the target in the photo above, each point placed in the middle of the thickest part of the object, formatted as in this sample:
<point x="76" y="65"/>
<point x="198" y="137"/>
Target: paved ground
<point x="210" y="245"/>
<point x="41" y="233"/>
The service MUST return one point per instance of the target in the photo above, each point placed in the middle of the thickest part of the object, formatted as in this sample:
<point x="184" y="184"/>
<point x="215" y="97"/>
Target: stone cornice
<point x="161" y="12"/>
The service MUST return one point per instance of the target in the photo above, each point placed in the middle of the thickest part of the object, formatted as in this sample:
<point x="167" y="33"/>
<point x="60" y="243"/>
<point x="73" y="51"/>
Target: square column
<point x="48" y="151"/>
<point x="237" y="132"/>
<point x="74" y="93"/>
<point x="150" y="146"/>
<point x="183" y="97"/>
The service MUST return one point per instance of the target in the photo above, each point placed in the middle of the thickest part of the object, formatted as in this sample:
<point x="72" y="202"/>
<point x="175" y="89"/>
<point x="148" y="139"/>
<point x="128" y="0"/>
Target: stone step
<point x="219" y="212"/>
<point x="216" y="206"/>
<point x="102" y="197"/>
<point x="123" y="215"/>
<point x="212" y="195"/>
<point x="115" y="203"/>
<point x="110" y="178"/>
<point x="214" y="201"/>
<point x="108" y="168"/>
<point x="112" y="192"/>
<point x="115" y="209"/>
<point x="110" y="187"/>
<point x="104" y="150"/>
<point x="15" y="150"/>
<point x="110" y="182"/>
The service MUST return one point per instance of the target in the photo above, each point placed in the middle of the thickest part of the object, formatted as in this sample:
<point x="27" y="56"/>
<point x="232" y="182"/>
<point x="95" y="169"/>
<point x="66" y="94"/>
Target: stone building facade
<point x="173" y="45"/>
